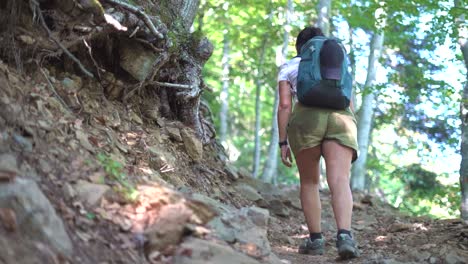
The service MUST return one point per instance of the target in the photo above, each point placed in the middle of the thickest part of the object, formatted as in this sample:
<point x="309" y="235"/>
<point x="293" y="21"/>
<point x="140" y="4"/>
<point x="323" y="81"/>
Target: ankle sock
<point x="343" y="231"/>
<point x="314" y="236"/>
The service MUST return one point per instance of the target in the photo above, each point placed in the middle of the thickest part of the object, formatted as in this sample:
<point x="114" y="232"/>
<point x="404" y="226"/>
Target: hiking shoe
<point x="315" y="247"/>
<point x="347" y="247"/>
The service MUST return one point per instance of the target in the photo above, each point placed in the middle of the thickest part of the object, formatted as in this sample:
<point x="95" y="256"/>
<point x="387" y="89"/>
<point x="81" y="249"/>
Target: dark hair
<point x="306" y="34"/>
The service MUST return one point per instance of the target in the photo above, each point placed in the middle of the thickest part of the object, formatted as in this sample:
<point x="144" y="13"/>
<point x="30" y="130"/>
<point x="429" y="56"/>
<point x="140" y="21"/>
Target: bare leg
<point x="338" y="162"/>
<point x="309" y="170"/>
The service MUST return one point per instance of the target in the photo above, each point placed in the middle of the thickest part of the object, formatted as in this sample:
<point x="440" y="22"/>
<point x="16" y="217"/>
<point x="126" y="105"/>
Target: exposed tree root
<point x="140" y="14"/>
<point x="78" y="36"/>
<point x="35" y="5"/>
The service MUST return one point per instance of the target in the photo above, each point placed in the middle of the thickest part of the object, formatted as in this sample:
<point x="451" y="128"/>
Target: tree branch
<point x="139" y="13"/>
<point x="65" y="50"/>
<point x="173" y="85"/>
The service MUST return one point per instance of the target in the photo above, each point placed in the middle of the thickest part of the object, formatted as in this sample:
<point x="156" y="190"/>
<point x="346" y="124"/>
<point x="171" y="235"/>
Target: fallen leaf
<point x="7" y="176"/>
<point x="8" y="218"/>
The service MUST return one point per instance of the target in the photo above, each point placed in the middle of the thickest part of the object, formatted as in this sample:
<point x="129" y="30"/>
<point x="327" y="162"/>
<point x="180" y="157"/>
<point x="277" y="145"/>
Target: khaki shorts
<point x="309" y="126"/>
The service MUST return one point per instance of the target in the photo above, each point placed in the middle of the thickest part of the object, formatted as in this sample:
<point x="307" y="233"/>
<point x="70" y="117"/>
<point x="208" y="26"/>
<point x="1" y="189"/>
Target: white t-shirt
<point x="288" y="72"/>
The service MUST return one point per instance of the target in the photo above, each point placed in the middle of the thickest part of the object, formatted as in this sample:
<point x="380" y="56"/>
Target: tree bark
<point x="463" y="42"/>
<point x="366" y="112"/>
<point x="271" y="164"/>
<point x="258" y="107"/>
<point x="224" y="96"/>
<point x="323" y="22"/>
<point x="323" y="16"/>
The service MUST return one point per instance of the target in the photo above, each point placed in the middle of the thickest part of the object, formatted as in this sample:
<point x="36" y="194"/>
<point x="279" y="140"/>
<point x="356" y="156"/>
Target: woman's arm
<point x="284" y="111"/>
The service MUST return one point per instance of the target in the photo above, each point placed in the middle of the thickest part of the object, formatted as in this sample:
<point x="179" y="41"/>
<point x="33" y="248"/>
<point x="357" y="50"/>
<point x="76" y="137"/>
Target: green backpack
<point x="312" y="90"/>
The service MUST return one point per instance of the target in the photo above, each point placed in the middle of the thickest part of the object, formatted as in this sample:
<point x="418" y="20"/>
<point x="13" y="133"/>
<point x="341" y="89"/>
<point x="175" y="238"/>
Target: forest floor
<point x="384" y="236"/>
<point x="58" y="149"/>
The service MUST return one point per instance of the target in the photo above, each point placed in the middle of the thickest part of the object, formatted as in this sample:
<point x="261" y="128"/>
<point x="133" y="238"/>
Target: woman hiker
<point x="312" y="132"/>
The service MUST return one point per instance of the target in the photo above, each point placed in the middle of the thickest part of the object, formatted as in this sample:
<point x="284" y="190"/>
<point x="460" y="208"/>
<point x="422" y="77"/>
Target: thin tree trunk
<point x="352" y="60"/>
<point x="366" y="112"/>
<point x="224" y="96"/>
<point x="258" y="108"/>
<point x="323" y="22"/>
<point x="271" y="165"/>
<point x="463" y="42"/>
<point x="323" y="16"/>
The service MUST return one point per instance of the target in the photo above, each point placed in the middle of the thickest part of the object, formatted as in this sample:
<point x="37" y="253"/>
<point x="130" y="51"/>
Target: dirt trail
<point x="383" y="234"/>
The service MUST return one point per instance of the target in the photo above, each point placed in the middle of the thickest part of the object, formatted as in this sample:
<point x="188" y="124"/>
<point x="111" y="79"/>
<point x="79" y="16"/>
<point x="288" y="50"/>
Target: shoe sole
<point x="348" y="252"/>
<point x="312" y="251"/>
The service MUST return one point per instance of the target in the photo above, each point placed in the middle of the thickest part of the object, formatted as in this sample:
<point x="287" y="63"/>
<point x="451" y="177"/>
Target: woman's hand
<point x="286" y="157"/>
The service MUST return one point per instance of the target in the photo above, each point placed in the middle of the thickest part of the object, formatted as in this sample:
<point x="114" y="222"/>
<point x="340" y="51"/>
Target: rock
<point x="70" y="90"/>
<point x="248" y="192"/>
<point x="35" y="215"/>
<point x="160" y="158"/>
<point x="197" y="251"/>
<point x="290" y="197"/>
<point x="231" y="172"/>
<point x="136" y="60"/>
<point x="193" y="145"/>
<point x="23" y="142"/>
<point x="136" y="118"/>
<point x="216" y="206"/>
<point x="420" y="256"/>
<point x="244" y="173"/>
<point x="202" y="213"/>
<point x="278" y="208"/>
<point x="84" y="141"/>
<point x="72" y="84"/>
<point x="8" y="167"/>
<point x="174" y="133"/>
<point x="390" y="261"/>
<point x="237" y="226"/>
<point x="91" y="193"/>
<point x="168" y="229"/>
<point x="398" y="227"/>
<point x="25" y="252"/>
<point x="453" y="258"/>
<point x="259" y="216"/>
<point x="68" y="191"/>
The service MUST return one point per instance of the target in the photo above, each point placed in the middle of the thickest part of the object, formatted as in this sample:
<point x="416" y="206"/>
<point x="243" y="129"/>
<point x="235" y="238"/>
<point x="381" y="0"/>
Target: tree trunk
<point x="323" y="22"/>
<point x="463" y="42"/>
<point x="323" y="16"/>
<point x="271" y="164"/>
<point x="258" y="107"/>
<point x="352" y="60"/>
<point x="224" y="96"/>
<point x="366" y="112"/>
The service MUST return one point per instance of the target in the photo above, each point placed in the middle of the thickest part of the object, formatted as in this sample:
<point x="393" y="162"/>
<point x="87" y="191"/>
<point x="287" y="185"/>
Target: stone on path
<point x="247" y="228"/>
<point x="248" y="192"/>
<point x="193" y="145"/>
<point x="91" y="193"/>
<point x="36" y="218"/>
<point x="197" y="251"/>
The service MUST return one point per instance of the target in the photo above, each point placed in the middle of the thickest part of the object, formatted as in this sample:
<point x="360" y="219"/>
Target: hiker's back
<point x="323" y="77"/>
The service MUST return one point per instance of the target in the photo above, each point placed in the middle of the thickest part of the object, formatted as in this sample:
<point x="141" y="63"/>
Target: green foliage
<point x="114" y="170"/>
<point x="419" y="192"/>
